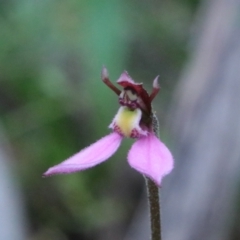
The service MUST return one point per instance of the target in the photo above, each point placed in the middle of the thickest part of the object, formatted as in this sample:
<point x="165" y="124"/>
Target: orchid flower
<point x="134" y="119"/>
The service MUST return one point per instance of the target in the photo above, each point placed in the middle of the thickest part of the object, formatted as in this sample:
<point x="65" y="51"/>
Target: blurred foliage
<point x="53" y="103"/>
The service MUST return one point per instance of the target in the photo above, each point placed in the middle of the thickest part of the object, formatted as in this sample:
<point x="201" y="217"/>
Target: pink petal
<point x="149" y="156"/>
<point x="88" y="157"/>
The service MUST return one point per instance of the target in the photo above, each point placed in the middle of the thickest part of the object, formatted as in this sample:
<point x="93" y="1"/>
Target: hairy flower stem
<point x="153" y="196"/>
<point x="154" y="208"/>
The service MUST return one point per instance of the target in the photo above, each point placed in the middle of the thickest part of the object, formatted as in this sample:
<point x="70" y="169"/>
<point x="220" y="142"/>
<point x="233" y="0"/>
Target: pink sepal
<point x="149" y="156"/>
<point x="125" y="78"/>
<point x="88" y="157"/>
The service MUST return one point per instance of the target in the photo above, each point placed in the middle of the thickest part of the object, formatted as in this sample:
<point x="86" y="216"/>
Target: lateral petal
<point x="149" y="156"/>
<point x="88" y="157"/>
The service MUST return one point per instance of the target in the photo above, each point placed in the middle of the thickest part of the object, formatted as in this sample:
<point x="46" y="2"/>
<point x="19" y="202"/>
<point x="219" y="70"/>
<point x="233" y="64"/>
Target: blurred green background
<point x="53" y="103"/>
